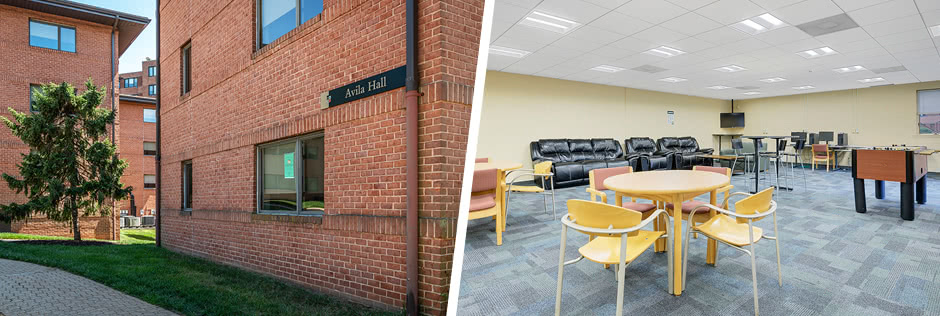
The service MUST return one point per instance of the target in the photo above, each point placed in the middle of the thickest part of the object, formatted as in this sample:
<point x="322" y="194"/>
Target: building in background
<point x="140" y="83"/>
<point x="138" y="146"/>
<point x="284" y="127"/>
<point x="58" y="41"/>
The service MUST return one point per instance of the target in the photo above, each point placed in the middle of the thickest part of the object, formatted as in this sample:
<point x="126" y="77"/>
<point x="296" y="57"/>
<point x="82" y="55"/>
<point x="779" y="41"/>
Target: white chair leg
<point x="621" y="271"/>
<point x="777" y="241"/>
<point x="750" y="228"/>
<point x="561" y="269"/>
<point x="553" y="200"/>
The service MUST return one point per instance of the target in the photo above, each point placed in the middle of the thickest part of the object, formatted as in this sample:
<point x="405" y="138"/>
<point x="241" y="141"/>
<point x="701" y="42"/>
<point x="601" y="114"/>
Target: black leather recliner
<point x="686" y="151"/>
<point x="651" y="158"/>
<point x="573" y="159"/>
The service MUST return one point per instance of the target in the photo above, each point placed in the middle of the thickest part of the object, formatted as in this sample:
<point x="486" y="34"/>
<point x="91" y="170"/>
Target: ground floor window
<point x="288" y="182"/>
<point x="187" y="193"/>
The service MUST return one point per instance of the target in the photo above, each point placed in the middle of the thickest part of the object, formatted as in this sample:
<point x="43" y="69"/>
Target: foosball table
<point x="904" y="164"/>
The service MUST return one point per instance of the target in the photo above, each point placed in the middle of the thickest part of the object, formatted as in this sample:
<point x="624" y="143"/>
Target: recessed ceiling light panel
<point x="759" y="24"/>
<point x="730" y="68"/>
<point x="804" y="87"/>
<point x="506" y="51"/>
<point x="772" y="80"/>
<point x="673" y="79"/>
<point x="817" y="52"/>
<point x="935" y="30"/>
<point x="870" y="80"/>
<point x="849" y="69"/>
<point x="607" y="68"/>
<point x="719" y="87"/>
<point x="549" y="22"/>
<point x="751" y="93"/>
<point x="664" y="51"/>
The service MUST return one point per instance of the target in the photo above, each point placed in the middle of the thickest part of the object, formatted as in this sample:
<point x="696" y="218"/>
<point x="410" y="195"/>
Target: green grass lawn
<point x="177" y="282"/>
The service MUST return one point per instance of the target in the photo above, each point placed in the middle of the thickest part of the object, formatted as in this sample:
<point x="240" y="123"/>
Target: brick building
<point x="140" y="83"/>
<point x="57" y="41"/>
<point x="138" y="146"/>
<point x="247" y="84"/>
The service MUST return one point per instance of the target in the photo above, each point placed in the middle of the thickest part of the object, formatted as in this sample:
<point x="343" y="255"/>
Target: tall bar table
<point x="757" y="141"/>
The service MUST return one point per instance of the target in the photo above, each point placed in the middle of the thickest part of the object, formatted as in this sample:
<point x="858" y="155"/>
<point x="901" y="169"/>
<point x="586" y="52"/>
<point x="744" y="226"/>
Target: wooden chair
<point x="622" y="242"/>
<point x="541" y="172"/>
<point x="821" y="153"/>
<point x="596" y="189"/>
<point x="484" y="201"/>
<point x="690" y="205"/>
<point x="739" y="231"/>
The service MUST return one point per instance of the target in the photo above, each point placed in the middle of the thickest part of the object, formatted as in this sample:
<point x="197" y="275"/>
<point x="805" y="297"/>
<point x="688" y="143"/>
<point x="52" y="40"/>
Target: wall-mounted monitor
<point x="732" y="120"/>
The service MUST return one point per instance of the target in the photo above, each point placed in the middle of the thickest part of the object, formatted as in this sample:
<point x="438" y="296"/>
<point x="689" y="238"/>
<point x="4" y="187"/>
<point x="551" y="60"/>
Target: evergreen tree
<point x="72" y="168"/>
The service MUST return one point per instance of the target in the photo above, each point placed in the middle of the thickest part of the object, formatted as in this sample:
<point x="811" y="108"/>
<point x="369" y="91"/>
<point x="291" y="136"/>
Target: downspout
<point x="157" y="157"/>
<point x="113" y="100"/>
<point x="411" y="169"/>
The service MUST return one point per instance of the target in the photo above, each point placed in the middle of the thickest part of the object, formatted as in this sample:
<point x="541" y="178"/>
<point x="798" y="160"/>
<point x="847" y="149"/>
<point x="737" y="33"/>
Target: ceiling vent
<point x="828" y="25"/>
<point x="888" y="69"/>
<point x="747" y="88"/>
<point x="649" y="69"/>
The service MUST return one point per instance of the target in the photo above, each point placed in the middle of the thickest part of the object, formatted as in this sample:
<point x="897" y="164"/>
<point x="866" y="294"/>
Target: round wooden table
<point x="670" y="186"/>
<point x="502" y="167"/>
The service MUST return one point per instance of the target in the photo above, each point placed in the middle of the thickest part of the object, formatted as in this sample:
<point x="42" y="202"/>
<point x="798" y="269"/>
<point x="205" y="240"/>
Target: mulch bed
<point x="62" y="243"/>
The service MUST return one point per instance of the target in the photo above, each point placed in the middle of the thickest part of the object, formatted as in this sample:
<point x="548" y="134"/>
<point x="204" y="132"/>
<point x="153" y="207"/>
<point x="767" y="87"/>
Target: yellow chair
<point x="739" y="231"/>
<point x="821" y="153"/>
<point x="484" y="201"/>
<point x="621" y="241"/>
<point x="541" y="172"/>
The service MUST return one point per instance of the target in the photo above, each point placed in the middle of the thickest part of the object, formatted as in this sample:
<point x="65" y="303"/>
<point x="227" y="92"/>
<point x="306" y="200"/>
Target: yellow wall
<point x="519" y="109"/>
<point x="882" y="116"/>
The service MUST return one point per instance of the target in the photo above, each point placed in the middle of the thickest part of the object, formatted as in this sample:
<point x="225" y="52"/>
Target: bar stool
<point x="738" y="146"/>
<point x="798" y="146"/>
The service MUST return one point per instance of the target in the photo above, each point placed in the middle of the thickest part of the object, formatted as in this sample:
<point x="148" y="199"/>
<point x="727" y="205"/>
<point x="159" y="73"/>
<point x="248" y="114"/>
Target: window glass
<point x="152" y="71"/>
<point x="187" y="185"/>
<point x="279" y="185"/>
<point x="928" y="111"/>
<point x="310" y="9"/>
<point x="152" y="89"/>
<point x="150" y="148"/>
<point x="313" y="174"/>
<point x="186" y="68"/>
<point x="43" y="35"/>
<point x="67" y="39"/>
<point x="33" y="88"/>
<point x="150" y="116"/>
<point x="150" y="181"/>
<point x="277" y="18"/>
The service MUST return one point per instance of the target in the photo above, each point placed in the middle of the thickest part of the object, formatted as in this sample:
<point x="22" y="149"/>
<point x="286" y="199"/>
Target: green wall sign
<point x="289" y="165"/>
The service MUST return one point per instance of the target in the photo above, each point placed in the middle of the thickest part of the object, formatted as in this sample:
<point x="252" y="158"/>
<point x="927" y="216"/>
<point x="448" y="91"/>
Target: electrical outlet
<point x="765" y="132"/>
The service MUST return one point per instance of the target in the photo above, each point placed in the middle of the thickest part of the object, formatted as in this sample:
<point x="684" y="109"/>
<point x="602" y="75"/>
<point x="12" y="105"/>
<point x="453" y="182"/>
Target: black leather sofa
<point x="686" y="152"/>
<point x="651" y="158"/>
<point x="573" y="159"/>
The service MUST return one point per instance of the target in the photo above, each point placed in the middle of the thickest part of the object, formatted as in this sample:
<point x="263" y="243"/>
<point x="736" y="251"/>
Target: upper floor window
<point x="152" y="89"/>
<point x="51" y="36"/>
<point x="186" y="68"/>
<point x="150" y="148"/>
<point x="130" y="82"/>
<point x="150" y="116"/>
<point x="152" y="71"/>
<point x="277" y="17"/>
<point x="33" y="88"/>
<point x="150" y="181"/>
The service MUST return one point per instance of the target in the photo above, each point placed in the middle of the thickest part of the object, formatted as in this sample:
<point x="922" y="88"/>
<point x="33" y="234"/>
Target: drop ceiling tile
<point x="691" y="44"/>
<point x="782" y="35"/>
<point x="730" y="11"/>
<point x="903" y="37"/>
<point x="852" y="5"/>
<point x="774" y="4"/>
<point x="620" y="23"/>
<point x="577" y="44"/>
<point x="898" y="25"/>
<point x="575" y="10"/>
<point x="855" y="46"/>
<point x="801" y="45"/>
<point x="583" y="75"/>
<point x="911" y="46"/>
<point x="883" y="12"/>
<point x="931" y="18"/>
<point x="499" y="28"/>
<point x="868" y="53"/>
<point x="659" y="35"/>
<point x="498" y="62"/>
<point x="691" y="4"/>
<point x="915" y="55"/>
<point x="928" y="5"/>
<point x="846" y="36"/>
<point x="608" y="4"/>
<point x="633" y="44"/>
<point x="807" y="11"/>
<point x="722" y="35"/>
<point x="747" y="45"/>
<point x="523" y="44"/>
<point x="690" y="24"/>
<point x="555" y="53"/>
<point x="613" y="52"/>
<point x="716" y="52"/>
<point x="653" y="11"/>
<point x="528" y="4"/>
<point x="596" y="34"/>
<point x="900" y="77"/>
<point x="557" y="72"/>
<point x="637" y="60"/>
<point x="532" y="34"/>
<point x="504" y="11"/>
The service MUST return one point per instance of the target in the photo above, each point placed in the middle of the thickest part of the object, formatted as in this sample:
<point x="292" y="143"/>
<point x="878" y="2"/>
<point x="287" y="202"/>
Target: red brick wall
<point x="23" y="65"/>
<point x="242" y="98"/>
<point x="134" y="132"/>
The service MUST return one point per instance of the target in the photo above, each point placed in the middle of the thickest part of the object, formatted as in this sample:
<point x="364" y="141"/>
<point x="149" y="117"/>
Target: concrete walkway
<point x="30" y="289"/>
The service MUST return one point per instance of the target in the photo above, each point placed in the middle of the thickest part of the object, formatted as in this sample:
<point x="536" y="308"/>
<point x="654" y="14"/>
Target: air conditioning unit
<point x="133" y="221"/>
<point x="123" y="221"/>
<point x="148" y="221"/>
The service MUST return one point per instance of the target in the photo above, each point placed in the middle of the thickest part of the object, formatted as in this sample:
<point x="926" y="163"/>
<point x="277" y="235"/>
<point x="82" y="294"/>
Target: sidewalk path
<point x="30" y="289"/>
